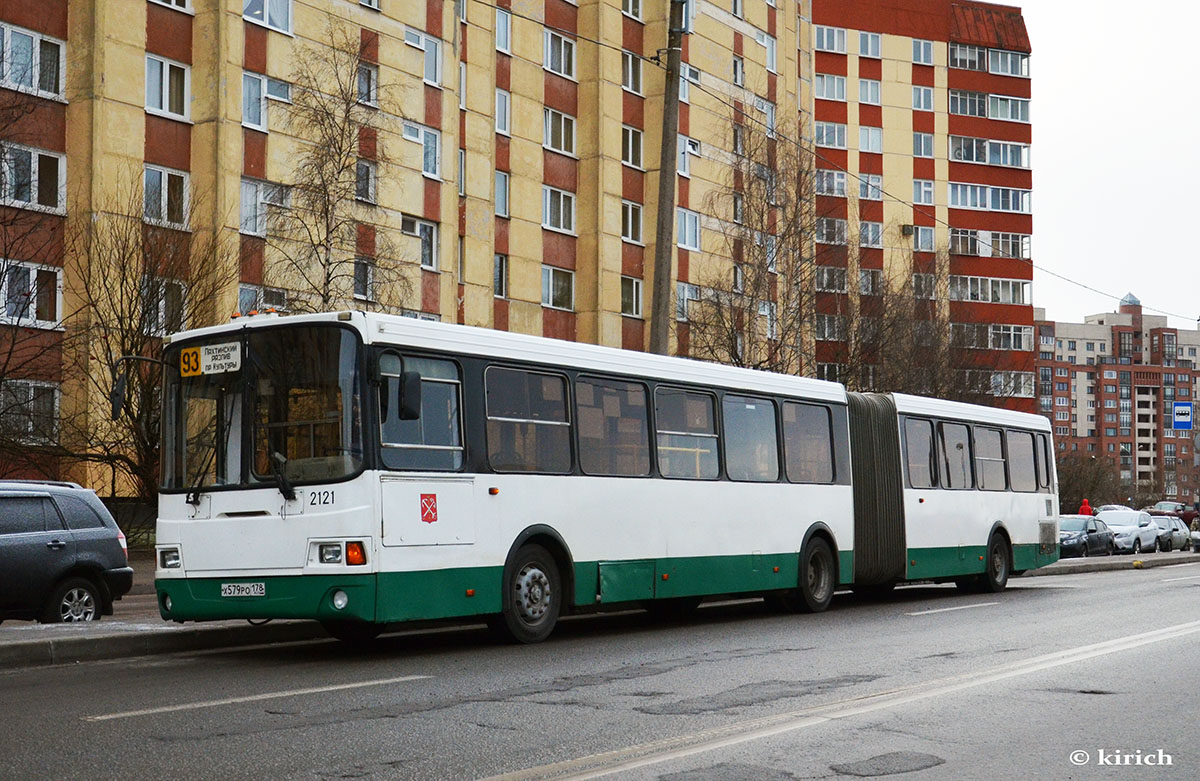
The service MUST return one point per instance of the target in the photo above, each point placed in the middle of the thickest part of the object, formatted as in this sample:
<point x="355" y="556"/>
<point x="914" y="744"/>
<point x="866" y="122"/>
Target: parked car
<point x="1182" y="511"/>
<point x="62" y="557"/>
<point x="1106" y="507"/>
<point x="1133" y="531"/>
<point x="1083" y="535"/>
<point x="1175" y="534"/>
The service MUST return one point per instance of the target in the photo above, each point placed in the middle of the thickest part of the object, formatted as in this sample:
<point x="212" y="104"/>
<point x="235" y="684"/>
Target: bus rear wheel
<point x="999" y="558"/>
<point x="816" y="581"/>
<point x="532" y="596"/>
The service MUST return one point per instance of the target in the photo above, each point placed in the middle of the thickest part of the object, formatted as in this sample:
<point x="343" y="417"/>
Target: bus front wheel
<point x="532" y="596"/>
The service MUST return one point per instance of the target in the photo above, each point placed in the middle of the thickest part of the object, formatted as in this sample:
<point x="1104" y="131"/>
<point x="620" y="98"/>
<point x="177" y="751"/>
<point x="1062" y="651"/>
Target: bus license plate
<point x="243" y="589"/>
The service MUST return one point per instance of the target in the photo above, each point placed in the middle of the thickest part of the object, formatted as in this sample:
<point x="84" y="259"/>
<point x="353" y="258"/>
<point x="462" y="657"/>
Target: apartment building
<point x="504" y="165"/>
<point x="1110" y="384"/>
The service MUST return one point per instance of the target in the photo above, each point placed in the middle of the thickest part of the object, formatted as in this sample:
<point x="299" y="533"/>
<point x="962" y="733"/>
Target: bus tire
<point x="997" y="566"/>
<point x="531" y="598"/>
<point x="816" y="581"/>
<point x="354" y="633"/>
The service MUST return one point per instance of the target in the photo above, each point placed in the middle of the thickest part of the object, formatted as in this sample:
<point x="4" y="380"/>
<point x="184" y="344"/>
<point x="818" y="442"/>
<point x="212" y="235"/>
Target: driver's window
<point x="1091" y="527"/>
<point x="434" y="440"/>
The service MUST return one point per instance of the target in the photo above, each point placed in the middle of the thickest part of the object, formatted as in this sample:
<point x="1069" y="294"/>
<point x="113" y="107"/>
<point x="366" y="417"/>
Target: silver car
<point x="1175" y="534"/>
<point x="1133" y="531"/>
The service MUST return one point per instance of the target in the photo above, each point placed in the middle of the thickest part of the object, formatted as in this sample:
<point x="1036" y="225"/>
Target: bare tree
<point x="340" y="114"/>
<point x="757" y="312"/>
<point x="1089" y="477"/>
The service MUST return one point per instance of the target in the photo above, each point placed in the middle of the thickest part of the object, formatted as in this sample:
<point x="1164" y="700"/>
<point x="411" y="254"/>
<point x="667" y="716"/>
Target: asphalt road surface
<point x="1058" y="677"/>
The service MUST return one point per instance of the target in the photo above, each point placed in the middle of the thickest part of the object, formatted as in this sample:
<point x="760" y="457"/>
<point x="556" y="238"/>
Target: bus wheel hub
<point x="533" y="593"/>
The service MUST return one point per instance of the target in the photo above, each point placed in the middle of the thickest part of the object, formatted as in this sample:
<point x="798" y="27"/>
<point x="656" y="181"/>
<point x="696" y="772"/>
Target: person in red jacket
<point x="1085" y="508"/>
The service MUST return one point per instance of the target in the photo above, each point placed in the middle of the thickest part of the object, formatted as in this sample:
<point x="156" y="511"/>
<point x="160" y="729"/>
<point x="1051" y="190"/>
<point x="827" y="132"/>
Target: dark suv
<point x="62" y="557"/>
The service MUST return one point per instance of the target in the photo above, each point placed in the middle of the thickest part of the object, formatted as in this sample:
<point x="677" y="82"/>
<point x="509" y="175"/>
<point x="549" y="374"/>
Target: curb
<point x="71" y="650"/>
<point x="1124" y="563"/>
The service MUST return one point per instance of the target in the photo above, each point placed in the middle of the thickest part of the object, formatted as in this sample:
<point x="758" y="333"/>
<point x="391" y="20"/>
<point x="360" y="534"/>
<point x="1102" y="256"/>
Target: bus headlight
<point x="169" y="559"/>
<point x="340" y="599"/>
<point x="331" y="553"/>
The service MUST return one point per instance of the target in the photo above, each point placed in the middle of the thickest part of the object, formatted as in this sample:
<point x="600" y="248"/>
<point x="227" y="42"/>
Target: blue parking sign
<point x="1182" y="419"/>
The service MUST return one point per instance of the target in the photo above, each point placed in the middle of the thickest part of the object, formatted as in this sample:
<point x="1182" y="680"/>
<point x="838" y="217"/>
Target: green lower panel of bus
<point x="928" y="563"/>
<point x="294" y="596"/>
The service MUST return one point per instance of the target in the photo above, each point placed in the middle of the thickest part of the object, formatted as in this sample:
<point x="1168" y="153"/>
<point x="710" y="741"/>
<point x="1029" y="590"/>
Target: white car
<point x="1133" y="531"/>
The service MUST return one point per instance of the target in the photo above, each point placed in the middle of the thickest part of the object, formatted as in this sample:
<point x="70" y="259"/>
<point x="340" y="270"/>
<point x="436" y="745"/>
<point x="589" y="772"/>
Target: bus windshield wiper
<point x="278" y="462"/>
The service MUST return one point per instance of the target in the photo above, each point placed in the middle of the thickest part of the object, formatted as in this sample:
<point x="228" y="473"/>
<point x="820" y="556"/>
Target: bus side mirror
<point x="410" y="395"/>
<point x="116" y="396"/>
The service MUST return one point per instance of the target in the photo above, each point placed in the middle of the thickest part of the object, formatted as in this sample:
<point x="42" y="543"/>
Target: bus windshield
<point x="242" y="407"/>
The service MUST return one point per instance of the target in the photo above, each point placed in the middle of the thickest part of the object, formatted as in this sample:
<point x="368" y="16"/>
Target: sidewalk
<point x="136" y="629"/>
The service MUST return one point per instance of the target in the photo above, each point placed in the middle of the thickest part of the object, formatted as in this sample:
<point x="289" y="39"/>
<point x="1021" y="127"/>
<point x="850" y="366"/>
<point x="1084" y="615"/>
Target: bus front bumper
<point x="294" y="596"/>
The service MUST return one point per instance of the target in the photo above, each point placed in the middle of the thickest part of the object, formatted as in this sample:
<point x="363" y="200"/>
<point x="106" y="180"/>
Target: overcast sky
<point x="1115" y="161"/>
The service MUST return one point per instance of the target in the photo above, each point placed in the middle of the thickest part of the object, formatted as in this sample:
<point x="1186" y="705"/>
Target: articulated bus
<point x="364" y="470"/>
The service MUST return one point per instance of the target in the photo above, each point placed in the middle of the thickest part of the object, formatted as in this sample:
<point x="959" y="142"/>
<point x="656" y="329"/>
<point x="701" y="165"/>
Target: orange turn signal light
<point x="470" y="592"/>
<point x="355" y="553"/>
<point x="493" y="491"/>
<point x="666" y="576"/>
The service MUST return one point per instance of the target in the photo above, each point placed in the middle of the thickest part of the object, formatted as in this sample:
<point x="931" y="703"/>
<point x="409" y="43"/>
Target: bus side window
<point x="989" y="459"/>
<point x="686" y="425"/>
<point x="527" y="425"/>
<point x="954" y="442"/>
<point x="1043" y="462"/>
<point x="807" y="443"/>
<point x="918" y="448"/>
<point x="1021" y="467"/>
<point x="434" y="440"/>
<point x="751" y="441"/>
<point x="614" y="428"/>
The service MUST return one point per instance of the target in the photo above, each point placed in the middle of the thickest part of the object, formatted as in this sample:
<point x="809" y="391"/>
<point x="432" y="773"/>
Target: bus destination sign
<point x="210" y="359"/>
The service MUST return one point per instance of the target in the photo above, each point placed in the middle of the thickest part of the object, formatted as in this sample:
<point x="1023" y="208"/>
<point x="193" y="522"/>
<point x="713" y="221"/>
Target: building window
<point x="427" y="232"/>
<point x="1008" y="63"/>
<point x="922" y="52"/>
<point x="830" y="134"/>
<point x="690" y="75"/>
<point x="254" y="101"/>
<point x="631" y="221"/>
<point x="923" y="192"/>
<point x="30" y="62"/>
<point x="168" y="87"/>
<point x="163" y="305"/>
<point x="831" y="279"/>
<point x="871" y="234"/>
<point x="631" y="146"/>
<point x="558" y="288"/>
<point x="276" y="14"/>
<point x="558" y="209"/>
<point x="503" y="31"/>
<point x="631" y="72"/>
<point x="166" y="197"/>
<point x="431" y="156"/>
<point x="870" y="139"/>
<point x="29" y="411"/>
<point x="1013" y="245"/>
<point x="559" y="55"/>
<point x="32" y="178"/>
<point x="830" y="328"/>
<point x="739" y="71"/>
<point x="632" y="8"/>
<point x="253" y="210"/>
<point x="364" y="279"/>
<point x="368" y="84"/>
<point x="922" y="145"/>
<point x="686" y="148"/>
<point x="922" y="98"/>
<point x="968" y="104"/>
<point x="868" y="91"/>
<point x="1009" y="109"/>
<point x="503" y="112"/>
<point x="831" y="230"/>
<point x="831" y="39"/>
<point x="768" y="42"/>
<point x="365" y="177"/>
<point x="829" y="87"/>
<point x="964" y="242"/>
<point x="869" y="44"/>
<point x="501" y="194"/>
<point x="688" y="229"/>
<point x="462" y="172"/>
<point x="736" y="8"/>
<point x="924" y="286"/>
<point x="500" y="275"/>
<point x="631" y="297"/>
<point x="684" y="293"/>
<point x="923" y="238"/>
<point x="831" y="182"/>
<point x="279" y="90"/>
<point x="559" y="131"/>
<point x="255" y="298"/>
<point x="870" y="187"/>
<point x="967" y="57"/>
<point x="432" y="69"/>
<point x="31" y="294"/>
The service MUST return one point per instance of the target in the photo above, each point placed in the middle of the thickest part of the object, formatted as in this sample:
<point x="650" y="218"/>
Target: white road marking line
<point x="253" y="698"/>
<point x="948" y="609"/>
<point x="633" y="757"/>
<point x="1189" y="577"/>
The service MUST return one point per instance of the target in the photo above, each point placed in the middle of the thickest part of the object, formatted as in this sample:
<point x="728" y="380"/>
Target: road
<point x="929" y="681"/>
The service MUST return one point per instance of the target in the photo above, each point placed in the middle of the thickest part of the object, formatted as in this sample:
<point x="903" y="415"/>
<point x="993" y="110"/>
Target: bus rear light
<point x="356" y="554"/>
<point x="331" y="553"/>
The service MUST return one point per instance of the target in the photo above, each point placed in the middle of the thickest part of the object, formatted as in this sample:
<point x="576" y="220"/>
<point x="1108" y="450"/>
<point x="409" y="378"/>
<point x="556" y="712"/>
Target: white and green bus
<point x="364" y="470"/>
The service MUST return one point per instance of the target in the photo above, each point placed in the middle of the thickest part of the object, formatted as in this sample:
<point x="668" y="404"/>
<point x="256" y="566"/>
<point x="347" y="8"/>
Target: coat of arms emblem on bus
<point x="429" y="508"/>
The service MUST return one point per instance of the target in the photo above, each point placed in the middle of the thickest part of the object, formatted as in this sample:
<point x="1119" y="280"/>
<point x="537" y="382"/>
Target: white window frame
<point x="869" y="92"/>
<point x="260" y="298"/>
<point x="870" y="187"/>
<point x="503" y="31"/>
<point x="502" y="192"/>
<point x="922" y="98"/>
<point x="566" y="210"/>
<point x="632" y="9"/>
<point x="829" y="39"/>
<point x="636" y="296"/>
<point x="252" y="208"/>
<point x="870" y="45"/>
<point x="548" y="275"/>
<point x="968" y="103"/>
<point x="268" y="21"/>
<point x="419" y="229"/>
<point x="830" y="279"/>
<point x="923" y="192"/>
<point x="823" y="130"/>
<point x="922" y="52"/>
<point x="631" y="73"/>
<point x="739" y="70"/>
<point x="1007" y="108"/>
<point x="164" y="95"/>
<point x="503" y="112"/>
<point x="426" y="43"/>
<point x="553" y="119"/>
<point x="372" y="93"/>
<point x="30" y="386"/>
<point x="922" y="144"/>
<point x="684" y="292"/>
<point x="154" y="322"/>
<point x="35" y="156"/>
<point x="830" y="230"/>
<point x="163" y="210"/>
<point x="372" y="4"/>
<point x="997" y="57"/>
<point x="35" y="72"/>
<point x="499" y="263"/>
<point x="275" y="84"/>
<point x="686" y="148"/>
<point x="825" y="83"/>
<point x="923" y="238"/>
<point x="368" y="264"/>
<point x="870" y="234"/>
<point x="769" y="43"/>
<point x="178" y="5"/>
<point x="565" y="48"/>
<point x="632" y="147"/>
<point x="687" y="228"/>
<point x="261" y="80"/>
<point x="631" y="223"/>
<point x="967" y="57"/>
<point x="372" y="169"/>
<point x="831" y="182"/>
<point x="870" y="139"/>
<point x="422" y="136"/>
<point x="31" y="319"/>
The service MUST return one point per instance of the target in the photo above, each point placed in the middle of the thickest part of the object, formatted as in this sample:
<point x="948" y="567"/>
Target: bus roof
<point x="471" y="340"/>
<point x="919" y="405"/>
